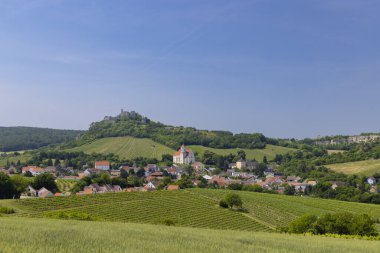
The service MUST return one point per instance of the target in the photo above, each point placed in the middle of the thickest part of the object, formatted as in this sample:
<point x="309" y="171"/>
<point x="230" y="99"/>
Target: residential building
<point x="102" y="165"/>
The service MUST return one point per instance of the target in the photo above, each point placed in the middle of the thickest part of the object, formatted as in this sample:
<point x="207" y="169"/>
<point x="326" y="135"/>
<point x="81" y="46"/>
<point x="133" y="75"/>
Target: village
<point x="238" y="176"/>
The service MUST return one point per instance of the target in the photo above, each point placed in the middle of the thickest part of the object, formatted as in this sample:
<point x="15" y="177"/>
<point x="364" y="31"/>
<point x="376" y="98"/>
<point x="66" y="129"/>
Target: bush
<point x="223" y="204"/>
<point x="7" y="210"/>
<point x="70" y="216"/>
<point x="337" y="223"/>
<point x="168" y="222"/>
<point x="232" y="199"/>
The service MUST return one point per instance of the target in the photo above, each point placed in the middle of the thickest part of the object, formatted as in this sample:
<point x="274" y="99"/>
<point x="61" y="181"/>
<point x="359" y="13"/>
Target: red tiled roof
<point x="102" y="163"/>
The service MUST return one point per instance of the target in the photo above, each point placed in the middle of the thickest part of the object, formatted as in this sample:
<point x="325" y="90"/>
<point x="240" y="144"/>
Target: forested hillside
<point x="173" y="137"/>
<point x="23" y="138"/>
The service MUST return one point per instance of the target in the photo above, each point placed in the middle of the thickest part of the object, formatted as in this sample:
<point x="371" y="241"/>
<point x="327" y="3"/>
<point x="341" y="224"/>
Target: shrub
<point x="232" y="199"/>
<point x="7" y="210"/>
<point x="337" y="223"/>
<point x="70" y="216"/>
<point x="223" y="204"/>
<point x="168" y="222"/>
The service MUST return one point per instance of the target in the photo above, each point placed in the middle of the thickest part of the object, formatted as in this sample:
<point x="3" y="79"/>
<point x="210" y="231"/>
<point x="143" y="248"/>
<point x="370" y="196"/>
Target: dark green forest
<point x="24" y="138"/>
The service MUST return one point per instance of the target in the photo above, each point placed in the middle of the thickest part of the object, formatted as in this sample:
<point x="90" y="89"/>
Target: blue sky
<point x="283" y="68"/>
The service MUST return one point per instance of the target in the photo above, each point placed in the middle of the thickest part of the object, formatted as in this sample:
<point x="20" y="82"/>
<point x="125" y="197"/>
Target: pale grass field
<point x="367" y="168"/>
<point x="44" y="236"/>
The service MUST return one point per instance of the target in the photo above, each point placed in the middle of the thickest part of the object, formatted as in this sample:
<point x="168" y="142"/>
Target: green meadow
<point x="24" y="235"/>
<point x="367" y="167"/>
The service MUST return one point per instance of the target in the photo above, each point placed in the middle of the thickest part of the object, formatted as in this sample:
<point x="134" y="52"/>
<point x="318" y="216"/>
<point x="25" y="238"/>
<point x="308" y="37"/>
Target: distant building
<point x="241" y="163"/>
<point x="184" y="156"/>
<point x="102" y="165"/>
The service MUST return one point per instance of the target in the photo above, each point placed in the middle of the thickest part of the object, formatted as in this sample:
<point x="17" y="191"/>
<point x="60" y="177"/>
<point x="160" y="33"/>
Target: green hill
<point x="125" y="147"/>
<point x="367" y="167"/>
<point x="45" y="236"/>
<point x="130" y="147"/>
<point x="269" y="151"/>
<point x="190" y="208"/>
<point x="23" y="138"/>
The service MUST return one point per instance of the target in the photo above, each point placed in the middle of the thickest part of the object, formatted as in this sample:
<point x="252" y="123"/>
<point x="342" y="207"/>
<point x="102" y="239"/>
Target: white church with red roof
<point x="184" y="156"/>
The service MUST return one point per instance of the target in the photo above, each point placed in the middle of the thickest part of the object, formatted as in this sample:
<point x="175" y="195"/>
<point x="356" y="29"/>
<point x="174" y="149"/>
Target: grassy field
<point x="189" y="208"/>
<point x="130" y="147"/>
<point x="367" y="168"/>
<point x="126" y="147"/>
<point x="23" y="157"/>
<point x="31" y="235"/>
<point x="269" y="151"/>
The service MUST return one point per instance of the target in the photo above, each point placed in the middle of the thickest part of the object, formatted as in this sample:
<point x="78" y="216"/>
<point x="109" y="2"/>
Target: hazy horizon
<point x="282" y="68"/>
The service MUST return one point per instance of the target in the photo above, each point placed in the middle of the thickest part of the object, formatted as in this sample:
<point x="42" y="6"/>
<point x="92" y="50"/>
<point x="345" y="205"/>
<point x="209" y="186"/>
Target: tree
<point x="7" y="189"/>
<point x="20" y="183"/>
<point x="45" y="180"/>
<point x="289" y="190"/>
<point x="232" y="199"/>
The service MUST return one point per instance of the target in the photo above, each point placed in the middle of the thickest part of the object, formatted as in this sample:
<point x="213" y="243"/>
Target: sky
<point x="286" y="69"/>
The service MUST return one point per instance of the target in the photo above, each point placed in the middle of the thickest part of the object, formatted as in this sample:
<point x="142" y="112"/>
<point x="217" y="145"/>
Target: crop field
<point x="69" y="236"/>
<point x="367" y="168"/>
<point x="269" y="151"/>
<point x="188" y="208"/>
<point x="65" y="185"/>
<point x="126" y="147"/>
<point x="278" y="210"/>
<point x="181" y="208"/>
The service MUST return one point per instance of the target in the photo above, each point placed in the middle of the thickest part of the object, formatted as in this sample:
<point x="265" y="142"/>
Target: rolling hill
<point x="188" y="208"/>
<point x="63" y="236"/>
<point x="131" y="147"/>
<point x="367" y="167"/>
<point x="125" y="147"/>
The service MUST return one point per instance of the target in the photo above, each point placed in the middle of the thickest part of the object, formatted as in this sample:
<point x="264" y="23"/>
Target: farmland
<point x="130" y="147"/>
<point x="65" y="185"/>
<point x="69" y="236"/>
<point x="188" y="208"/>
<point x="269" y="151"/>
<point x="126" y="147"/>
<point x="23" y="157"/>
<point x="367" y="168"/>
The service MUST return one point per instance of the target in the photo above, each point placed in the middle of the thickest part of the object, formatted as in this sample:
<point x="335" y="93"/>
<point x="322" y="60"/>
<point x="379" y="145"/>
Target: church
<point x="184" y="156"/>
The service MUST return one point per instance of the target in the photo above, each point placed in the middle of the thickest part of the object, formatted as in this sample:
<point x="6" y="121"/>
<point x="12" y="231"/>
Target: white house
<point x="102" y="165"/>
<point x="184" y="156"/>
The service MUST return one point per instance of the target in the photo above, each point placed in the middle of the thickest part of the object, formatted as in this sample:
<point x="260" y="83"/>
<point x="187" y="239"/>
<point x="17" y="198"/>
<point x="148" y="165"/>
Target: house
<point x="102" y="165"/>
<point x="115" y="173"/>
<point x="172" y="187"/>
<point x="251" y="165"/>
<point x="50" y="169"/>
<point x="4" y="171"/>
<point x="35" y="170"/>
<point x="299" y="187"/>
<point x="152" y="185"/>
<point x="184" y="156"/>
<point x="371" y="180"/>
<point x="207" y="177"/>
<point x="151" y="168"/>
<point x="198" y="166"/>
<point x="240" y="164"/>
<point x="293" y="179"/>
<point x="312" y="183"/>
<point x="336" y="184"/>
<point x="92" y="171"/>
<point x="44" y="193"/>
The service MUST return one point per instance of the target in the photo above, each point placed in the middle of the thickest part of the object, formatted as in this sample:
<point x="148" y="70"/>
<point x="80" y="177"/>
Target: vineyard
<point x="278" y="210"/>
<point x="179" y="208"/>
<point x="191" y="208"/>
<point x="125" y="147"/>
<point x="65" y="185"/>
